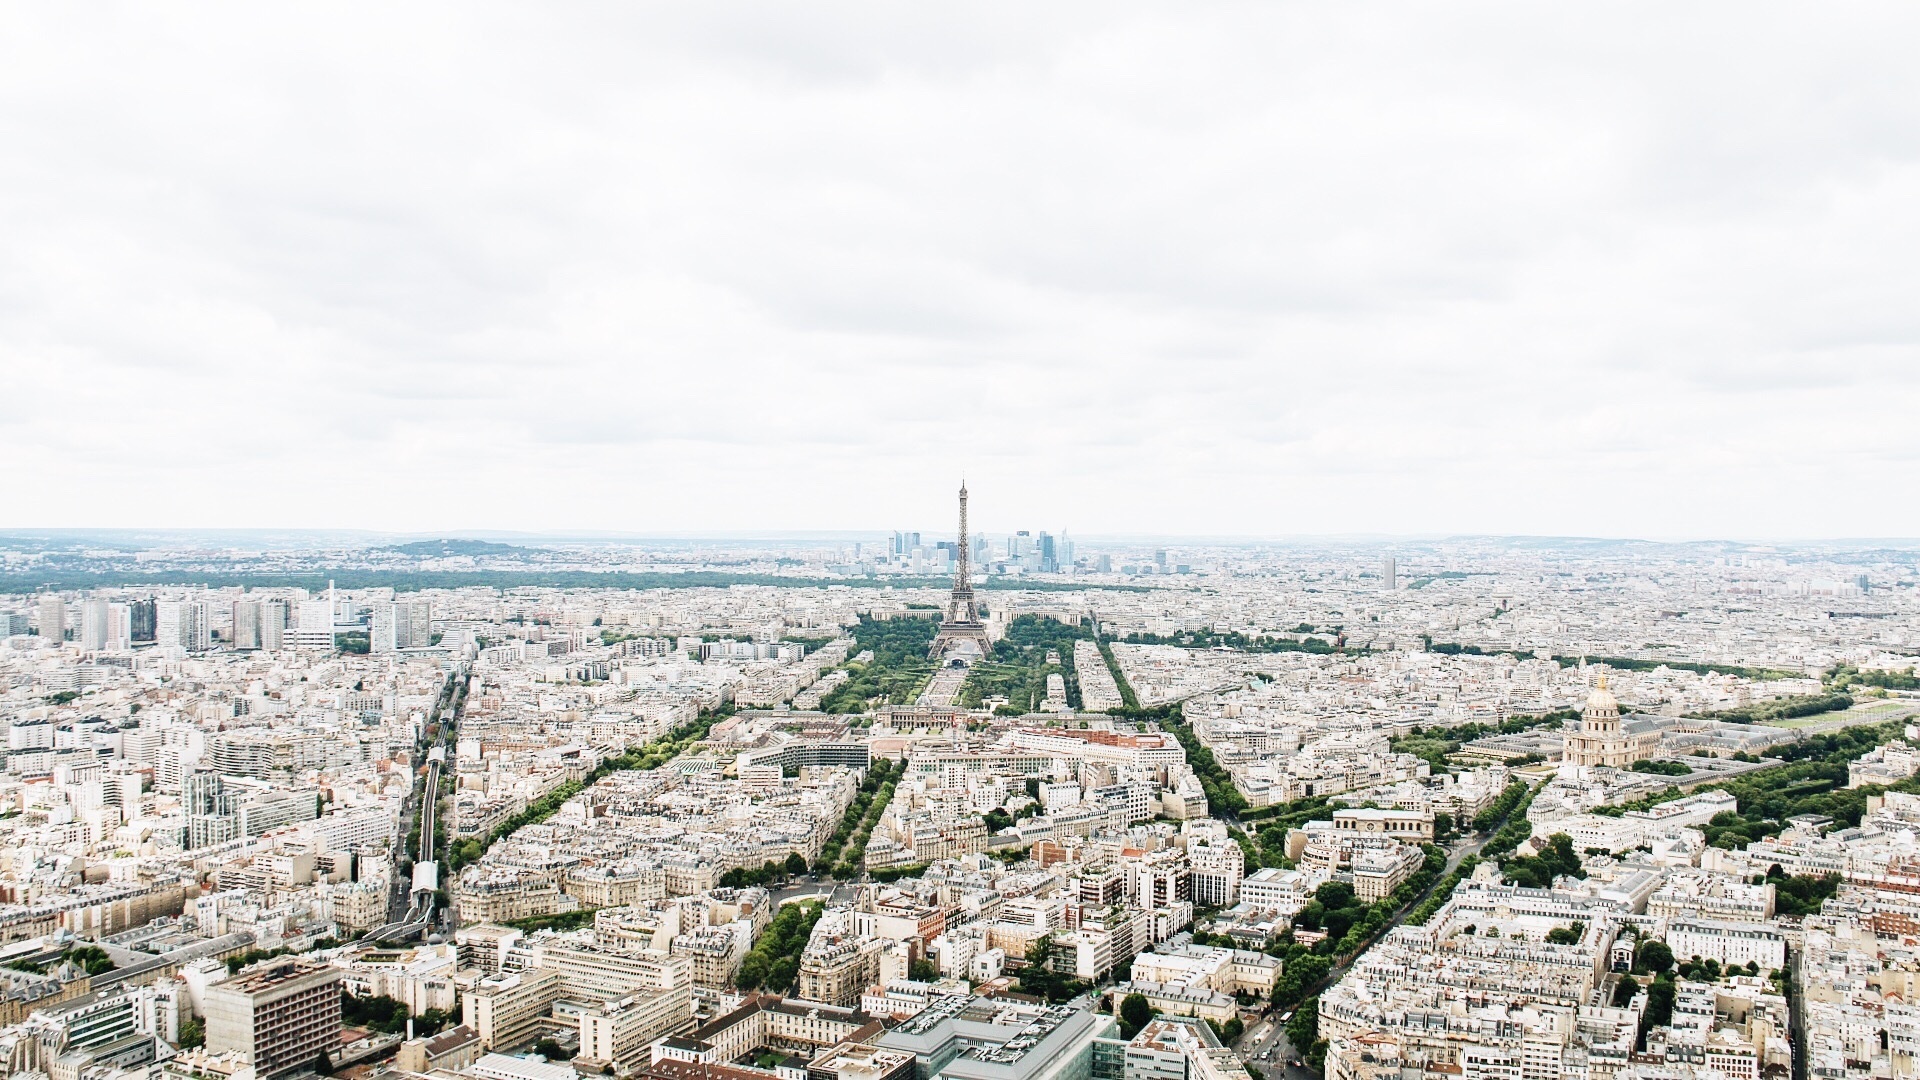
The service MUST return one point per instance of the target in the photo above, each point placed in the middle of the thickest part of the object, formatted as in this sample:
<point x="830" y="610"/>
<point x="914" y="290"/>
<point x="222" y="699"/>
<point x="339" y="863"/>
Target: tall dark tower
<point x="962" y="637"/>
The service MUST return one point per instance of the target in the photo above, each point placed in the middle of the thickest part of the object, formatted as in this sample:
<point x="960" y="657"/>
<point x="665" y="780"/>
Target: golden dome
<point x="1602" y="699"/>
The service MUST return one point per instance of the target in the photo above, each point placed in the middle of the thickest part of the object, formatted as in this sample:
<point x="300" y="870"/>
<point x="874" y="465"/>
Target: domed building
<point x="1600" y="740"/>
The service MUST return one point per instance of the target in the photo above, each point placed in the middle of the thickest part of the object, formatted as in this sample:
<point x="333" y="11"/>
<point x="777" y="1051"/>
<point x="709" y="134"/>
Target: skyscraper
<point x="401" y="624"/>
<point x="1390" y="573"/>
<point x="273" y="625"/>
<point x="381" y="637"/>
<point x="246" y="624"/>
<point x="316" y="625"/>
<point x="413" y="623"/>
<point x="53" y="618"/>
<point x="119" y="627"/>
<point x="143" y="613"/>
<point x="183" y="623"/>
<point x="95" y="620"/>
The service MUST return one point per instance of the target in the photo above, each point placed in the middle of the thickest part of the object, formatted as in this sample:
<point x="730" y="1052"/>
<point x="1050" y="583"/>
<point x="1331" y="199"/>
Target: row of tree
<point x="1787" y="708"/>
<point x="774" y="961"/>
<point x="846" y="849"/>
<point x="651" y="756"/>
<point x="1234" y="639"/>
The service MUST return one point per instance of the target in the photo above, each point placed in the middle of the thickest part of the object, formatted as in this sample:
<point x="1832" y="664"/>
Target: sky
<point x="1255" y="270"/>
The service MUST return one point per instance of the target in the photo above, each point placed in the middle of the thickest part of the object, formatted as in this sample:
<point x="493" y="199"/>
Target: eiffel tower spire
<point x="962" y="637"/>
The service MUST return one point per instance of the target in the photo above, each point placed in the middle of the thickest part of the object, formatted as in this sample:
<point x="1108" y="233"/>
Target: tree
<point x="1538" y="872"/>
<point x="923" y="971"/>
<point x="1659" y="1006"/>
<point x="1563" y="935"/>
<point x="550" y="1050"/>
<point x="1304" y="1028"/>
<point x="796" y="864"/>
<point x="1654" y="956"/>
<point x="323" y="1064"/>
<point x="1038" y="977"/>
<point x="1334" y="894"/>
<point x="193" y="1034"/>
<point x="1135" y="1014"/>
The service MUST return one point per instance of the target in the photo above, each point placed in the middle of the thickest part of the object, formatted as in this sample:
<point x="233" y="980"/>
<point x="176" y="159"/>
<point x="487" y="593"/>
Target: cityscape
<point x="753" y="811"/>
<point x="861" y="541"/>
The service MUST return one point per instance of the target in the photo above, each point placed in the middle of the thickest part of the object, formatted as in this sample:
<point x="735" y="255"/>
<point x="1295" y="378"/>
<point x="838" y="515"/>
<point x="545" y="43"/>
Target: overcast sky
<point x="1175" y="268"/>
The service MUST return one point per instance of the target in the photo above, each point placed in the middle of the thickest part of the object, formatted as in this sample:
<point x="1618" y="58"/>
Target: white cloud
<point x="1240" y="269"/>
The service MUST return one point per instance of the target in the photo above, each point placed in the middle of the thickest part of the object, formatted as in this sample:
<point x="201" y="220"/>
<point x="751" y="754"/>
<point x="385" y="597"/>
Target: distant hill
<point x="431" y="549"/>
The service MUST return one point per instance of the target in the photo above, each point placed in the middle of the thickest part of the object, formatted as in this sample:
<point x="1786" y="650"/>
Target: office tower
<point x="401" y="624"/>
<point x="183" y="623"/>
<point x="413" y="623"/>
<point x="273" y="625"/>
<point x="144" y="626"/>
<point x="1103" y="564"/>
<point x="119" y="627"/>
<point x="1390" y="573"/>
<point x="382" y="637"/>
<point x="95" y="617"/>
<point x="246" y="624"/>
<point x="1160" y="561"/>
<point x="166" y="622"/>
<point x="1049" y="558"/>
<point x="280" y="1017"/>
<point x="53" y="618"/>
<point x="201" y="637"/>
<point x="316" y="625"/>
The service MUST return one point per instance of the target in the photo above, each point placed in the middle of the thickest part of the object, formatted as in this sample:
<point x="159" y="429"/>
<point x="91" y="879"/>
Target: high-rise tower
<point x="962" y="637"/>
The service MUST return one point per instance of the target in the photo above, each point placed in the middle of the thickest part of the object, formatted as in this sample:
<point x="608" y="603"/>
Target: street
<point x="1270" y="1037"/>
<point x="1265" y="1045"/>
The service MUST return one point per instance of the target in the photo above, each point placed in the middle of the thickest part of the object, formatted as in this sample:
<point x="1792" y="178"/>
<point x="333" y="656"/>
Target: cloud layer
<point x="1264" y="269"/>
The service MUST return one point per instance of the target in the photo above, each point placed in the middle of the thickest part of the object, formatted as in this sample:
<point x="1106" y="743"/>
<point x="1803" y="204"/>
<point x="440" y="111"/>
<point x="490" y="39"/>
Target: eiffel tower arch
<point x="963" y="637"/>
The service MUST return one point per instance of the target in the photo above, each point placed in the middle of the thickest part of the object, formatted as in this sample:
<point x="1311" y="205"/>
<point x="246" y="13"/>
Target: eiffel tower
<point x="963" y="637"/>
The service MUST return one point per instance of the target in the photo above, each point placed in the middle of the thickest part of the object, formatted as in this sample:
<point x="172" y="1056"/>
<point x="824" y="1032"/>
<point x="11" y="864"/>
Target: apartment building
<point x="280" y="1016"/>
<point x="502" y="1009"/>
<point x="620" y="1032"/>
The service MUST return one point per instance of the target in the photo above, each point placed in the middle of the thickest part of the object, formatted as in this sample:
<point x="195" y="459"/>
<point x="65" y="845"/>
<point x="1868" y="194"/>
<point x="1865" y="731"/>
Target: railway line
<point x="423" y="887"/>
